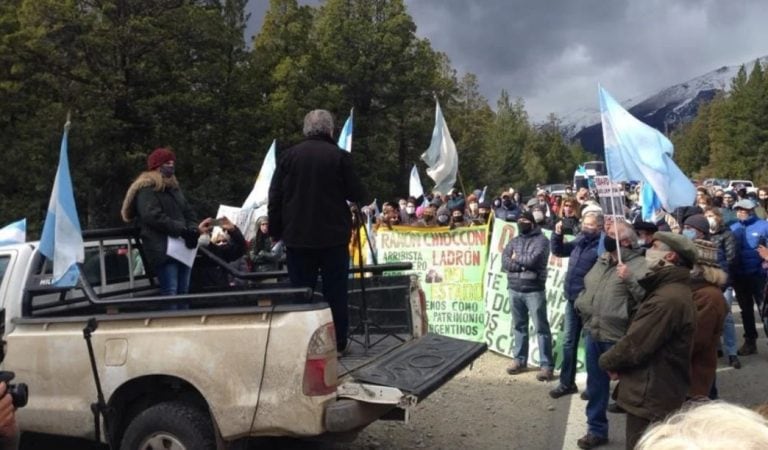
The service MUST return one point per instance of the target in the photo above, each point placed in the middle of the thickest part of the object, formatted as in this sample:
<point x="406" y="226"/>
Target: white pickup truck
<point x="108" y="360"/>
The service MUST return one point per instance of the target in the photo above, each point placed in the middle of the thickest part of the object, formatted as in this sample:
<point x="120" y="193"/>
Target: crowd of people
<point x="652" y="298"/>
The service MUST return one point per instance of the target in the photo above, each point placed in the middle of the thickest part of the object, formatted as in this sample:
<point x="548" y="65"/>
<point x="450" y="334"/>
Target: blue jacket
<point x="582" y="254"/>
<point x="749" y="234"/>
<point x="527" y="271"/>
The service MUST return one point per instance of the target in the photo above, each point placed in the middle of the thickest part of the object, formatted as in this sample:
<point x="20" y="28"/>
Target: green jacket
<point x="607" y="302"/>
<point x="653" y="359"/>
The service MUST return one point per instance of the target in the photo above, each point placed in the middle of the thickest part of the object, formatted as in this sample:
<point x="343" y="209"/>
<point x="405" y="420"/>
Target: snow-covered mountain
<point x="663" y="110"/>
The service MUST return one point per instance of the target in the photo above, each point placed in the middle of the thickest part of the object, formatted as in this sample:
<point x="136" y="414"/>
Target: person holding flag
<point x="154" y="202"/>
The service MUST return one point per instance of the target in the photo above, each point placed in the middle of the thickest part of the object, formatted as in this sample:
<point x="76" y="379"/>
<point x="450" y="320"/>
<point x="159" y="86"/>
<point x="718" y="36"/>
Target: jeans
<point x="729" y="328"/>
<point x="571" y="333"/>
<point x="173" y="277"/>
<point x="598" y="388"/>
<point x="535" y="305"/>
<point x="304" y="265"/>
<point x="749" y="292"/>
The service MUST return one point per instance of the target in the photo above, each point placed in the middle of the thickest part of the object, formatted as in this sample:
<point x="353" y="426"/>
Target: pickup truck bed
<point x="243" y="361"/>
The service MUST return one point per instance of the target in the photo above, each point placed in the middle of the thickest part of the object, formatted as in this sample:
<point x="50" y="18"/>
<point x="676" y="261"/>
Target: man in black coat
<point x="308" y="210"/>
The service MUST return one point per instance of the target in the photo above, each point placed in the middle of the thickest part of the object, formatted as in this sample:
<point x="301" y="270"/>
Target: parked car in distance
<point x="735" y="185"/>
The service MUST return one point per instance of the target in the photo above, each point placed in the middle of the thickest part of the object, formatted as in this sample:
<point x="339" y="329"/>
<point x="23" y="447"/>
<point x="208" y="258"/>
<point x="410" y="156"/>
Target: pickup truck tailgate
<point x="420" y="366"/>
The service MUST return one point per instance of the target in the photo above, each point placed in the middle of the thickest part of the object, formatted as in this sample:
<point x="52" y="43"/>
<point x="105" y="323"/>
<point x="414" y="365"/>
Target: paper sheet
<point x="178" y="250"/>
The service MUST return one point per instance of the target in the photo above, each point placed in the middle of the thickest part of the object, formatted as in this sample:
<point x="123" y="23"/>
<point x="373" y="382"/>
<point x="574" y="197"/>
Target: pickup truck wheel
<point x="170" y="426"/>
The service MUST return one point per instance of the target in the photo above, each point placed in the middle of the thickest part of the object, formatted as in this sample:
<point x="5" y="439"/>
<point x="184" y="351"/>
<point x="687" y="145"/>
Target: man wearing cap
<point x="508" y="210"/>
<point x="652" y="361"/>
<point x="748" y="274"/>
<point x="155" y="202"/>
<point x="525" y="259"/>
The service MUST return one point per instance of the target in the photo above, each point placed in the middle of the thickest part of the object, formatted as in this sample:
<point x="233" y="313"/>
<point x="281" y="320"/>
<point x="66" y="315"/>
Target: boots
<point x="749" y="347"/>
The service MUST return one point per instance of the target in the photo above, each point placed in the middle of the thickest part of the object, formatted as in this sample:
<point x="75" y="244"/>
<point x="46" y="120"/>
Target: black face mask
<point x="610" y="244"/>
<point x="717" y="201"/>
<point x="525" y="227"/>
<point x="507" y="203"/>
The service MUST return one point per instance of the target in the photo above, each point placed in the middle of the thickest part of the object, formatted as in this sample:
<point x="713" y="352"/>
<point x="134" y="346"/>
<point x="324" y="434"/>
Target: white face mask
<point x="655" y="259"/>
<point x="410" y="209"/>
<point x="538" y="216"/>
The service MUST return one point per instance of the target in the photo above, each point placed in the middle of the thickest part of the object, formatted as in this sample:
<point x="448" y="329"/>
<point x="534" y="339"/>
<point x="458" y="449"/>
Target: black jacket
<point x="527" y="271"/>
<point x="206" y="273"/>
<point x="160" y="209"/>
<point x="309" y="192"/>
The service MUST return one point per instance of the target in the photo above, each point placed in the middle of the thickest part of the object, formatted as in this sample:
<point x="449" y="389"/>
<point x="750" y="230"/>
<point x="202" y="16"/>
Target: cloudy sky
<point x="552" y="53"/>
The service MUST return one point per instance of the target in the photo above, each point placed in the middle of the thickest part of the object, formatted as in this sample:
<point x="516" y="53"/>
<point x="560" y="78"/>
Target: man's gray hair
<point x="598" y="217"/>
<point x="318" y="122"/>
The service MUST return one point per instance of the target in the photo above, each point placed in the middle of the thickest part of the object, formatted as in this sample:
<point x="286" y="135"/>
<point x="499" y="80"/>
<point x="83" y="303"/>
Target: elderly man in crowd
<point x="750" y="232"/>
<point x="581" y="254"/>
<point x="610" y="296"/>
<point x="652" y="360"/>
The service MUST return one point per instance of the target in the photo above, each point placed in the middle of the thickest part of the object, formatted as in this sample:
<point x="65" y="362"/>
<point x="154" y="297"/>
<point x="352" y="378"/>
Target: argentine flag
<point x="14" y="233"/>
<point x="62" y="239"/>
<point x="635" y="151"/>
<point x="345" y="137"/>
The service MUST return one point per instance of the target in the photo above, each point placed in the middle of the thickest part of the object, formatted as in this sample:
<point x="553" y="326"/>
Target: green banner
<point x="498" y="325"/>
<point x="450" y="265"/>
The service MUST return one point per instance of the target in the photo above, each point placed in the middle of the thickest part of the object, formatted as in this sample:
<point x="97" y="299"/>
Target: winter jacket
<point x="748" y="235"/>
<point x="727" y="251"/>
<point x="607" y="302"/>
<point x="527" y="270"/>
<point x="207" y="273"/>
<point x="510" y="214"/>
<point x="308" y="195"/>
<point x="653" y="359"/>
<point x="157" y="205"/>
<point x="581" y="253"/>
<point x="710" y="315"/>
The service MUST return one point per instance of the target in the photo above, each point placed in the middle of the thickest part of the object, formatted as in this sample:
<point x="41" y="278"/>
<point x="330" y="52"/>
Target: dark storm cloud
<point x="553" y="53"/>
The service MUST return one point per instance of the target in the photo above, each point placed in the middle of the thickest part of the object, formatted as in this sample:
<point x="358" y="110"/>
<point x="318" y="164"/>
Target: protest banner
<point x="498" y="323"/>
<point x="611" y="196"/>
<point x="450" y="265"/>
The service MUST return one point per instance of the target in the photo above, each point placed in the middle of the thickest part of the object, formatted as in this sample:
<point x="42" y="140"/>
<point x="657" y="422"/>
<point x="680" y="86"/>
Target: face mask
<point x="717" y="201"/>
<point x="167" y="171"/>
<point x="590" y="231"/>
<point x="442" y="219"/>
<point x="690" y="234"/>
<point x="507" y="203"/>
<point x="655" y="259"/>
<point x="610" y="244"/>
<point x="410" y="209"/>
<point x="538" y="216"/>
<point x="457" y="218"/>
<point x="712" y="223"/>
<point x="525" y="227"/>
<point x="484" y="215"/>
<point x="641" y="242"/>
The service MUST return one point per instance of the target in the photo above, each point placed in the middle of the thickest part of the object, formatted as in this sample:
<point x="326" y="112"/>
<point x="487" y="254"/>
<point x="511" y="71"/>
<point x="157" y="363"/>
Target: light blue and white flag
<point x="482" y="195"/>
<point x="649" y="203"/>
<point x="441" y="156"/>
<point x="345" y="137"/>
<point x="14" y="233"/>
<point x="636" y="151"/>
<point x="260" y="193"/>
<point x="62" y="238"/>
<point x="415" y="188"/>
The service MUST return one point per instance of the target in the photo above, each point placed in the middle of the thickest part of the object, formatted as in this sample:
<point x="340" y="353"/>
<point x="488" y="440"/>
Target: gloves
<point x="190" y="236"/>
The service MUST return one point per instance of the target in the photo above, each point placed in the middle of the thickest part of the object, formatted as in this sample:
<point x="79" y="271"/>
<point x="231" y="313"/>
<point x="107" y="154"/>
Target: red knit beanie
<point x="159" y="157"/>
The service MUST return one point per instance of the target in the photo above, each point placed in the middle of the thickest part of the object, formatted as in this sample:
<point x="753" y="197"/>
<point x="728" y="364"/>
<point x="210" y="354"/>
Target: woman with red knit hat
<point x="155" y="203"/>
